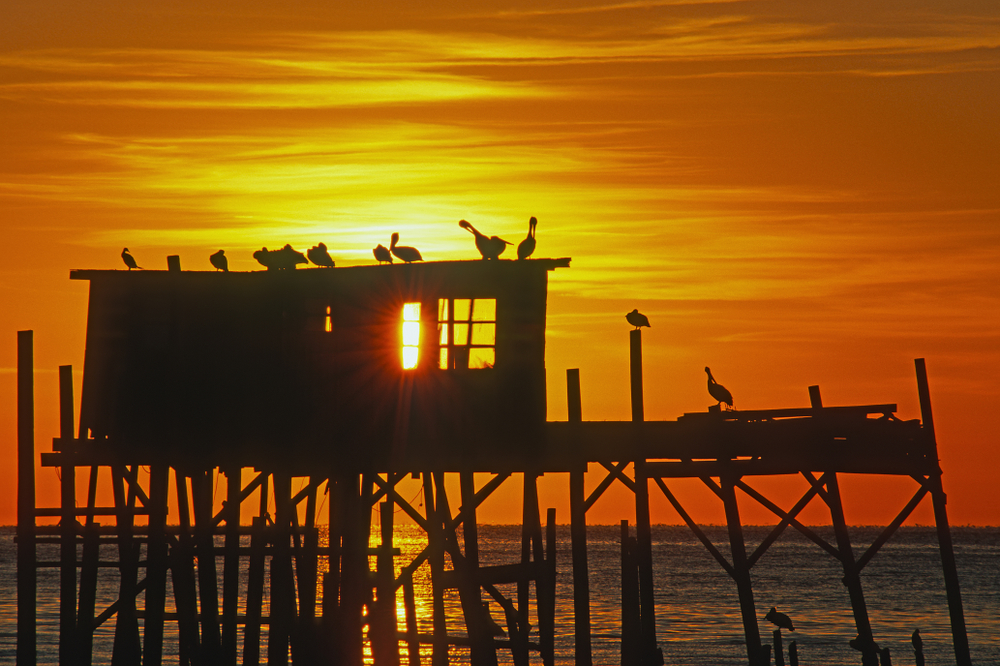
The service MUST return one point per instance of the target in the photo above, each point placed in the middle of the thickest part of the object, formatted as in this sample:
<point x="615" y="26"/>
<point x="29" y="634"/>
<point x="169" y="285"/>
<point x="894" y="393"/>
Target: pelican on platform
<point x="220" y="261"/>
<point x="319" y="256"/>
<point x="129" y="260"/>
<point x="490" y="247"/>
<point x="780" y="619"/>
<point x="527" y="246"/>
<point x="404" y="252"/>
<point x="722" y="394"/>
<point x="382" y="254"/>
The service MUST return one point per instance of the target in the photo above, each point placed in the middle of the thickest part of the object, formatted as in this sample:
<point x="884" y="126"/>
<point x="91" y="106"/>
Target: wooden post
<point x="282" y="580"/>
<point x="88" y="576"/>
<point x="67" y="532"/>
<point x="483" y="649"/>
<point x="383" y="629"/>
<point x="779" y="652"/>
<point x="546" y="593"/>
<point x="307" y="561"/>
<point x="793" y="654"/>
<point x="26" y="573"/>
<point x="412" y="638"/>
<point x="174" y="263"/>
<point x="182" y="573"/>
<point x="201" y="500"/>
<point x="255" y="590"/>
<point x="940" y="502"/>
<point x="635" y="365"/>
<point x="631" y="628"/>
<point x="578" y="535"/>
<point x="335" y="532"/>
<point x="126" y="646"/>
<point x="439" y="656"/>
<point x="741" y="571"/>
<point x="231" y="564"/>
<point x="156" y="565"/>
<point x="644" y="562"/>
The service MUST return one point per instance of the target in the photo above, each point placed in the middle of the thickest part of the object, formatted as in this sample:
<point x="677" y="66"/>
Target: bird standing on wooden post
<point x="490" y="247"/>
<point x="319" y="256"/>
<point x="404" y="252"/>
<point x="527" y="246"/>
<point x="773" y="616"/>
<point x="722" y="394"/>
<point x="637" y="319"/>
<point x="129" y="260"/>
<point x="220" y="261"/>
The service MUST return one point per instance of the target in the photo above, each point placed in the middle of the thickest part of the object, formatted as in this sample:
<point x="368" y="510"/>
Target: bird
<point x="527" y="246"/>
<point x="283" y="259"/>
<point x="918" y="643"/>
<point x="219" y="261"/>
<point x="382" y="254"/>
<point x="780" y="619"/>
<point x="319" y="256"/>
<point x="720" y="393"/>
<point x="129" y="260"/>
<point x="404" y="252"/>
<point x="637" y="319"/>
<point x="490" y="247"/>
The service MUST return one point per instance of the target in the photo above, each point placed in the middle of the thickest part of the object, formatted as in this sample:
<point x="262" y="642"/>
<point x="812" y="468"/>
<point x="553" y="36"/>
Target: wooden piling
<point x="940" y="502"/>
<point x="779" y="651"/>
<point x="578" y="535"/>
<point x="88" y="577"/>
<point x="26" y="574"/>
<point x="382" y="627"/>
<point x="741" y="571"/>
<point x="201" y="501"/>
<point x="435" y="544"/>
<point x="182" y="574"/>
<point x="282" y="579"/>
<point x="255" y="590"/>
<point x="410" y="608"/>
<point x="631" y="622"/>
<point x="546" y="593"/>
<point x="156" y="565"/>
<point x="126" y="649"/>
<point x="635" y="375"/>
<point x="231" y="564"/>
<point x="67" y="534"/>
<point x="793" y="654"/>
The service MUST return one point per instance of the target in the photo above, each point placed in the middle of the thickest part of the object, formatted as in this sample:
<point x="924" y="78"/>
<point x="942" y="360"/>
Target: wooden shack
<point x="365" y="367"/>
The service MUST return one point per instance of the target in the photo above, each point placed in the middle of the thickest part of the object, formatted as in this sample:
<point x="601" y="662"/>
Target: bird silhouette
<point x="722" y="394"/>
<point x="527" y="246"/>
<point x="220" y="261"/>
<point x="283" y="259"/>
<point x="404" y="252"/>
<point x="319" y="256"/>
<point x="129" y="260"/>
<point x="917" y="641"/>
<point x="490" y="247"/>
<point x="774" y="617"/>
<point x="637" y="319"/>
<point x="382" y="254"/>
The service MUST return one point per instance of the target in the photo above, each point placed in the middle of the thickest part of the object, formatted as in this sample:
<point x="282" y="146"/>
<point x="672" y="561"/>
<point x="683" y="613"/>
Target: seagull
<point x="722" y="394"/>
<point x="404" y="252"/>
<point x="918" y="643"/>
<point x="382" y="254"/>
<point x="773" y="616"/>
<point x="319" y="256"/>
<point x="129" y="260"/>
<point x="527" y="246"/>
<point x="490" y="248"/>
<point x="219" y="261"/>
<point x="637" y="319"/>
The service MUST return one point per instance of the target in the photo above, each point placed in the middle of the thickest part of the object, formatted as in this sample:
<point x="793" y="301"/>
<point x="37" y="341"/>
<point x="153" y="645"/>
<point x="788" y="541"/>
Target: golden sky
<point x="794" y="193"/>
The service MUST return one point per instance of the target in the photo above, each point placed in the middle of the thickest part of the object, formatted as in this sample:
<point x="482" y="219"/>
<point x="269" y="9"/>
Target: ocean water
<point x="697" y="609"/>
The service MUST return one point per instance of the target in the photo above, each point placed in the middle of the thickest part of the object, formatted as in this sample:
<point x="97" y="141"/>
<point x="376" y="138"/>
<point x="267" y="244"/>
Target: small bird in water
<point x="774" y="617"/>
<point x="490" y="247"/>
<point x="527" y="246"/>
<point x="382" y="254"/>
<point x="720" y="393"/>
<point x="319" y="256"/>
<point x="404" y="252"/>
<point x="129" y="260"/>
<point x="220" y="261"/>
<point x="637" y="319"/>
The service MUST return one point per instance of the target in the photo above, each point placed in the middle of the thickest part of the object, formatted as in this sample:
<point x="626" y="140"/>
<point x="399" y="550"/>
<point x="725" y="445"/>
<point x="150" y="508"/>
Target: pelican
<point x="773" y="616"/>
<point x="404" y="252"/>
<point x="219" y="261"/>
<point x="382" y="254"/>
<point x="527" y="246"/>
<point x="319" y="256"/>
<point x="129" y="260"/>
<point x="722" y="394"/>
<point x="490" y="248"/>
<point x="637" y="319"/>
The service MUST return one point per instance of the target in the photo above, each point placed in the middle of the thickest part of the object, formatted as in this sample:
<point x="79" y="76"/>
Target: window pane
<point x="461" y="334"/>
<point x="462" y="306"/>
<point x="484" y="334"/>
<point x="442" y="309"/>
<point x="411" y="333"/>
<point x="443" y="360"/>
<point x="411" y="312"/>
<point x="482" y="358"/>
<point x="410" y="356"/>
<point x="485" y="309"/>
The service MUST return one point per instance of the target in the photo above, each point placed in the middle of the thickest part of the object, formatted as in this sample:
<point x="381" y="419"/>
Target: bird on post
<point x="527" y="246"/>
<point x="319" y="256"/>
<point x="129" y="260"/>
<point x="220" y="261"/>
<point x="722" y="394"/>
<point x="490" y="247"/>
<point x="917" y="642"/>
<point x="779" y="619"/>
<point x="382" y="254"/>
<point x="637" y="319"/>
<point x="404" y="252"/>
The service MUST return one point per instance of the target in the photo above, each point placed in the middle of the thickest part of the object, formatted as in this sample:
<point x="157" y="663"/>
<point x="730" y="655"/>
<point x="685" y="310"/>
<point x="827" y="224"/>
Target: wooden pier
<point x="309" y="602"/>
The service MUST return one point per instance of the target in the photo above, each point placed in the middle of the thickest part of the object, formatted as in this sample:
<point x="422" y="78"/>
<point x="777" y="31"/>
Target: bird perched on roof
<point x="319" y="256"/>
<point x="382" y="254"/>
<point x="722" y="394"/>
<point x="637" y="319"/>
<point x="404" y="252"/>
<point x="490" y="247"/>
<point x="129" y="260"/>
<point x="780" y="619"/>
<point x="220" y="261"/>
<point x="527" y="246"/>
<point x="282" y="259"/>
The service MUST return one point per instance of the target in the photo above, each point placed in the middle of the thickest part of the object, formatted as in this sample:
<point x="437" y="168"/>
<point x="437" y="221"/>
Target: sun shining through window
<point x="411" y="335"/>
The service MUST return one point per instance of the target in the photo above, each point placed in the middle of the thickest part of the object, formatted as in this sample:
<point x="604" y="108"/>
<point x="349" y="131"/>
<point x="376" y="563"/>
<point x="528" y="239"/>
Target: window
<point x="329" y="320"/>
<point x="411" y="335"/>
<point x="467" y="333"/>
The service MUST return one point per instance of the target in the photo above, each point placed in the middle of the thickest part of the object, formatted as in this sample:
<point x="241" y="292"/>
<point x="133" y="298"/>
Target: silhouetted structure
<point x="353" y="379"/>
<point x="527" y="247"/>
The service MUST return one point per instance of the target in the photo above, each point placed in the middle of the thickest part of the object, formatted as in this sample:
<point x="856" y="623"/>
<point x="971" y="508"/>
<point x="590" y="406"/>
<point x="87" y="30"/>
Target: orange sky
<point x="794" y="194"/>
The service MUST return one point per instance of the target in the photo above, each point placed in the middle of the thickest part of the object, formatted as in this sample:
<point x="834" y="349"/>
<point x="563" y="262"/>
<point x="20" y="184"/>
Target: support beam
<point x="26" y="574"/>
<point x="741" y="572"/>
<point x="67" y="550"/>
